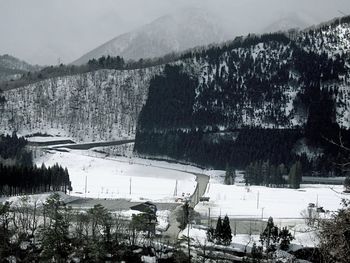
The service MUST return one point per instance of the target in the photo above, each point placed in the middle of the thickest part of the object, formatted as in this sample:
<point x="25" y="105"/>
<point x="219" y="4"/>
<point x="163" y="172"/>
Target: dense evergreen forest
<point x="19" y="180"/>
<point x="236" y="114"/>
<point x="13" y="148"/>
<point x="18" y="175"/>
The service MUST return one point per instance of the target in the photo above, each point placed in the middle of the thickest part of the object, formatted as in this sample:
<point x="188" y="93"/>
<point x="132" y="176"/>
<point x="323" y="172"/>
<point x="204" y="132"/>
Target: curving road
<point x="88" y="146"/>
<point x="123" y="204"/>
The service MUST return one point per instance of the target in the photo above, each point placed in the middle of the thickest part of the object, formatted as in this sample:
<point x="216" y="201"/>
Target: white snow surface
<point x="111" y="178"/>
<point x="239" y="201"/>
<point x="95" y="106"/>
<point x="241" y="242"/>
<point x="47" y="138"/>
<point x="35" y="199"/>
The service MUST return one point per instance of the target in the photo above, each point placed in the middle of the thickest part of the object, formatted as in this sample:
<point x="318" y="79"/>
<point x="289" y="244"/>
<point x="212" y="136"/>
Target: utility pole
<point x="85" y="185"/>
<point x="197" y="194"/>
<point x="257" y="200"/>
<point x="130" y="186"/>
<point x="209" y="221"/>
<point x="175" y="191"/>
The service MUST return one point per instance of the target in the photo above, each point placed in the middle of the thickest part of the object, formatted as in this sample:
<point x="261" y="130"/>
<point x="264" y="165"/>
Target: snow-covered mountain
<point x="205" y="100"/>
<point x="171" y="33"/>
<point x="291" y="21"/>
<point x="13" y="68"/>
<point x="254" y="99"/>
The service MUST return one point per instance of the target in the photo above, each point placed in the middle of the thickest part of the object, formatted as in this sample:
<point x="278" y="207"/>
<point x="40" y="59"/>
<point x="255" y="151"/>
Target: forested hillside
<point x="12" y="68"/>
<point x="258" y="98"/>
<point x="275" y="97"/>
<point x="100" y="105"/>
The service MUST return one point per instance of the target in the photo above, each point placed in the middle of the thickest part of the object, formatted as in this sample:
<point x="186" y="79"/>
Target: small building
<point x="204" y="199"/>
<point x="146" y="207"/>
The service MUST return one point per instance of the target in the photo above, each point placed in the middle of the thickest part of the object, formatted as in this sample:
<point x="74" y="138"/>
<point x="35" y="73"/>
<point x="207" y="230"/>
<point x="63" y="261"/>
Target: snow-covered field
<point x="117" y="177"/>
<point x="304" y="237"/>
<point x="35" y="199"/>
<point x="239" y="201"/>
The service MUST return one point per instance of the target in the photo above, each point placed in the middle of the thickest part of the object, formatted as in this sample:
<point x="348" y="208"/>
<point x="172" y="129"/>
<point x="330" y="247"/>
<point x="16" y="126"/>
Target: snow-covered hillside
<point x="257" y="81"/>
<point x="11" y="62"/>
<point x="175" y="32"/>
<point x="101" y="105"/>
<point x="13" y="68"/>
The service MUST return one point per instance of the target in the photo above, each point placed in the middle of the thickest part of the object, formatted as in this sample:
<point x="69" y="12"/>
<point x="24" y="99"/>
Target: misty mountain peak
<point x="178" y="31"/>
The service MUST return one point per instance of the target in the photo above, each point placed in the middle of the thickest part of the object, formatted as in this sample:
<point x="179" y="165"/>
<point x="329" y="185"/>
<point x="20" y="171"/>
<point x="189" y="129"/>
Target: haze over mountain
<point x="13" y="68"/>
<point x="295" y="20"/>
<point x="174" y="32"/>
<point x="49" y="32"/>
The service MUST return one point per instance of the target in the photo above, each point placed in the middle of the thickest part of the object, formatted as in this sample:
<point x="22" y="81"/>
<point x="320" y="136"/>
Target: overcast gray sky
<point x="41" y="31"/>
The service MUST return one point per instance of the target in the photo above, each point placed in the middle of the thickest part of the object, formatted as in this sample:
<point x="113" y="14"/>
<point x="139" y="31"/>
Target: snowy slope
<point x="334" y="41"/>
<point x="96" y="106"/>
<point x="171" y="33"/>
<point x="111" y="178"/>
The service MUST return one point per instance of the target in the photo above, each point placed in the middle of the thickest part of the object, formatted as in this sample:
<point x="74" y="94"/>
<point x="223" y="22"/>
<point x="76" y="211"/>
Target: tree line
<point x="19" y="176"/>
<point x="19" y="180"/>
<point x="264" y="173"/>
<point x="104" y="62"/>
<point x="239" y="149"/>
<point x="13" y="147"/>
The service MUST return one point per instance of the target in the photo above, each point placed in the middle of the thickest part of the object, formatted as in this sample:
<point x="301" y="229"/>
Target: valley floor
<point x="120" y="182"/>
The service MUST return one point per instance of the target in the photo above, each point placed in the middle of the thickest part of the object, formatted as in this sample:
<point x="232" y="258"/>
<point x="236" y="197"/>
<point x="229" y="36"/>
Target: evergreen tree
<point x="285" y="238"/>
<point x="55" y="237"/>
<point x="226" y="234"/>
<point x="335" y="236"/>
<point x="295" y="175"/>
<point x="265" y="173"/>
<point x="230" y="175"/>
<point x="269" y="237"/>
<point x="218" y="231"/>
<point x="211" y="234"/>
<point x="2" y="98"/>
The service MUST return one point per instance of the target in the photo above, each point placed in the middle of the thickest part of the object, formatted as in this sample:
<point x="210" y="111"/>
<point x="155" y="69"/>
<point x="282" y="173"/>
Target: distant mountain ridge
<point x="12" y="67"/>
<point x="170" y="33"/>
<point x="226" y="103"/>
<point x="291" y="21"/>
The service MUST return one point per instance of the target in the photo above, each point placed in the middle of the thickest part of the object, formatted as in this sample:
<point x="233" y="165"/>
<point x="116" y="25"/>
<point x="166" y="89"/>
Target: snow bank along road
<point x="65" y="142"/>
